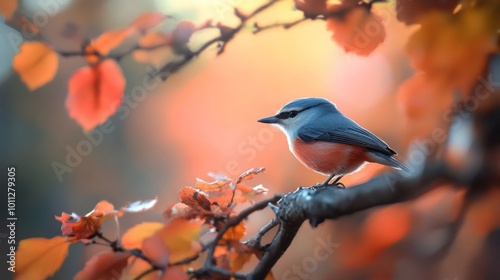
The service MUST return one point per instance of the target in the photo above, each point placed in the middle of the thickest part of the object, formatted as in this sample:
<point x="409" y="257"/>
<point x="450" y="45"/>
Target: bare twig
<point x="285" y="25"/>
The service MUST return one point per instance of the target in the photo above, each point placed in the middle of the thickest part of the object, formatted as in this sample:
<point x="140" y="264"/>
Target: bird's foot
<point x="335" y="185"/>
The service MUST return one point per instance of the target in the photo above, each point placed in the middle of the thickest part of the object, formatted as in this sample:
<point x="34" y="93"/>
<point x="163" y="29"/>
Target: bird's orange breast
<point x="329" y="158"/>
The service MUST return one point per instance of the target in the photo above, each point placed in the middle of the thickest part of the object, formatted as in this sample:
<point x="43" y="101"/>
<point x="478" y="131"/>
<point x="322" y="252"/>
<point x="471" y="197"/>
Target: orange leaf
<point x="194" y="198"/>
<point x="76" y="227"/>
<point x="95" y="93"/>
<point x="181" y="237"/>
<point x="249" y="194"/>
<point x="359" y="31"/>
<point x="39" y="258"/>
<point x="110" y="40"/>
<point x="134" y="236"/>
<point x="136" y="267"/>
<point x="175" y="273"/>
<point x="7" y="8"/>
<point x="181" y="210"/>
<point x="103" y="266"/>
<point x="36" y="64"/>
<point x="233" y="255"/>
<point x="216" y="185"/>
<point x="238" y="260"/>
<point x="235" y="233"/>
<point x="248" y="175"/>
<point x="147" y="21"/>
<point x="387" y="226"/>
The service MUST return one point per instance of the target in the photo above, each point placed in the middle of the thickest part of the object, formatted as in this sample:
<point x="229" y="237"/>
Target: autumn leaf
<point x="249" y="194"/>
<point x="181" y="210"/>
<point x="453" y="48"/>
<point x="77" y="228"/>
<point x="311" y="8"/>
<point x="39" y="258"/>
<point x="138" y="266"/>
<point x="410" y="11"/>
<point x="174" y="273"/>
<point x="194" y="198"/>
<point x="7" y="8"/>
<point x="216" y="185"/>
<point x="110" y="40"/>
<point x="180" y="236"/>
<point x="249" y="174"/>
<point x="155" y="249"/>
<point x="134" y="236"/>
<point x="359" y="31"/>
<point x="95" y="93"/>
<point x="233" y="255"/>
<point x="36" y="63"/>
<point x="103" y="266"/>
<point x="235" y="233"/>
<point x="146" y="21"/>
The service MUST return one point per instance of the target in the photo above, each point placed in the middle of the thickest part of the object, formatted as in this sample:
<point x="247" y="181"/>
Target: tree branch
<point x="318" y="204"/>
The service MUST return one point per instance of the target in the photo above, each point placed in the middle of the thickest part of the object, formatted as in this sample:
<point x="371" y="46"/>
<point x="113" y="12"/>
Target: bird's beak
<point x="271" y="119"/>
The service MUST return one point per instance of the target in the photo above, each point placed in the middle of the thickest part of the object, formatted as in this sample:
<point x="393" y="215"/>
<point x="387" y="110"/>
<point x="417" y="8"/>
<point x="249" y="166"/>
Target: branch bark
<point x="319" y="204"/>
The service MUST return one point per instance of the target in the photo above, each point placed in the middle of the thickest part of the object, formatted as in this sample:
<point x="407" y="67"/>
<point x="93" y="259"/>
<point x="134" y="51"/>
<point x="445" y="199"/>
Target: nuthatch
<point x="326" y="141"/>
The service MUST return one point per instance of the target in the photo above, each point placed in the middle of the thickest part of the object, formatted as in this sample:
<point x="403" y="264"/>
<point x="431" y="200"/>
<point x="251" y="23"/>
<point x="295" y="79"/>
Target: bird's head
<point x="291" y="117"/>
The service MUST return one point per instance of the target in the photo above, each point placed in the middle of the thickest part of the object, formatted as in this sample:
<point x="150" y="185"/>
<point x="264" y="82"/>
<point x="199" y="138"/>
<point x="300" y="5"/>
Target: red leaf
<point x="311" y="8"/>
<point x="103" y="266"/>
<point x="359" y="31"/>
<point x="39" y="258"/>
<point x="95" y="93"/>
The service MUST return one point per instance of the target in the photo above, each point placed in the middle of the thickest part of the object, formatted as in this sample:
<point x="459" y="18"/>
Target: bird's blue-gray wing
<point x="339" y="129"/>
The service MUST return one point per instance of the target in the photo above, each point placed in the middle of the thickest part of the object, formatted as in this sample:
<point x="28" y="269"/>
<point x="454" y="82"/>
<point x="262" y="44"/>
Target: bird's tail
<point x="388" y="160"/>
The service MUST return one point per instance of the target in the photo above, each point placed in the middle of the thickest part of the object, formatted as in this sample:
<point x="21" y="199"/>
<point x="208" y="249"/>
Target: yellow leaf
<point x="134" y="236"/>
<point x="7" y="8"/>
<point x="39" y="258"/>
<point x="36" y="63"/>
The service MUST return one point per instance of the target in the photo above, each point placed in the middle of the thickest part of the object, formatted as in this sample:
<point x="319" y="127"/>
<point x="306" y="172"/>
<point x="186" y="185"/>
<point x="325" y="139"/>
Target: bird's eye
<point x="286" y="115"/>
<point x="283" y="115"/>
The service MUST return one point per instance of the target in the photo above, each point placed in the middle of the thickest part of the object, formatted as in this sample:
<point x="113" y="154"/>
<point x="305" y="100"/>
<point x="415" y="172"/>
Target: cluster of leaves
<point x="154" y="250"/>
<point x="95" y="91"/>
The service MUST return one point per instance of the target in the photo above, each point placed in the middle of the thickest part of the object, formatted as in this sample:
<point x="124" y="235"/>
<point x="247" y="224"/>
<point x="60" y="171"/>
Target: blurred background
<point x="203" y="119"/>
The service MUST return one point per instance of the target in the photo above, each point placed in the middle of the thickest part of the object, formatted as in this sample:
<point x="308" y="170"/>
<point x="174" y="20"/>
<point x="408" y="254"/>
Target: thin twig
<point x="285" y="25"/>
<point x="255" y="241"/>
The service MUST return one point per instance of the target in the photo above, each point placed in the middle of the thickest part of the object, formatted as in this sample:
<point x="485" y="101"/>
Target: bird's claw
<point x="336" y="185"/>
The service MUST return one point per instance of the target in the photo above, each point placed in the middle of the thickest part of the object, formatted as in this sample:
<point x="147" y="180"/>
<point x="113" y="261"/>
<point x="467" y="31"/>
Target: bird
<point x="327" y="142"/>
